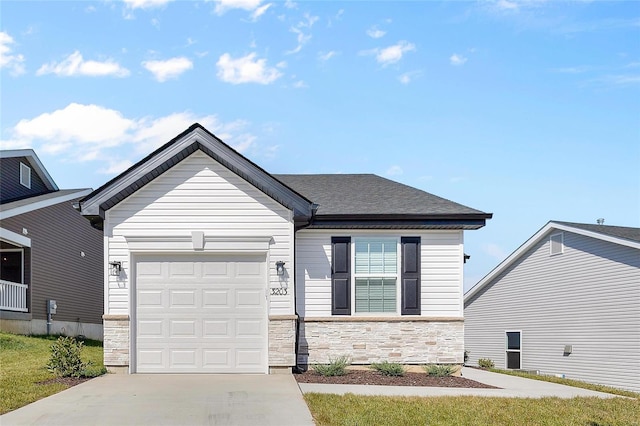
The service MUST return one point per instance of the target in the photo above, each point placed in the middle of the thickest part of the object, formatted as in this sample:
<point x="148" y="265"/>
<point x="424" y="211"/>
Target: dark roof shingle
<point x="368" y="194"/>
<point x="625" y="232"/>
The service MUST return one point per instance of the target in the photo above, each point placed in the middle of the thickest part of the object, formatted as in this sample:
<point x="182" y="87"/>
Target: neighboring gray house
<point x="47" y="252"/>
<point x="218" y="266"/>
<point x="567" y="302"/>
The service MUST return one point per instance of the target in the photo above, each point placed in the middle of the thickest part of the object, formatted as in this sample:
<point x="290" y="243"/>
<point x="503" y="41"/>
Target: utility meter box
<point x="51" y="306"/>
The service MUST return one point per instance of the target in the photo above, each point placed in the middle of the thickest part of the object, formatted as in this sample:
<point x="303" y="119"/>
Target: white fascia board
<point x="13" y="238"/>
<point x="5" y="214"/>
<point x="534" y="240"/>
<point x="35" y="162"/>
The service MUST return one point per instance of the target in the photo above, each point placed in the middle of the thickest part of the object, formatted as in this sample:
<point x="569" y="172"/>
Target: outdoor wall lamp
<point x="115" y="268"/>
<point x="280" y="267"/>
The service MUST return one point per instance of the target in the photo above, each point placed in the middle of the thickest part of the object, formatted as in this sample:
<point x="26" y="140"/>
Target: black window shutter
<point x="341" y="275"/>
<point x="410" y="278"/>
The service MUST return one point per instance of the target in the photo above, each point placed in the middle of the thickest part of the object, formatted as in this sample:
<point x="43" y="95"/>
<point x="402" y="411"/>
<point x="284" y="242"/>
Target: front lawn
<point x="23" y="362"/>
<point x="470" y="410"/>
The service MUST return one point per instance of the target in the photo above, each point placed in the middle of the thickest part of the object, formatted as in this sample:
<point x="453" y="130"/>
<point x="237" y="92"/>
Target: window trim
<point x="551" y="252"/>
<point x="354" y="275"/>
<point x="21" y="250"/>
<point x="507" y="350"/>
<point x="25" y="175"/>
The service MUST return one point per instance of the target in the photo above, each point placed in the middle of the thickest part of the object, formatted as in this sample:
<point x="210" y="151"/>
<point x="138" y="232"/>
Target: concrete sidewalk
<point x="511" y="387"/>
<point x="171" y="399"/>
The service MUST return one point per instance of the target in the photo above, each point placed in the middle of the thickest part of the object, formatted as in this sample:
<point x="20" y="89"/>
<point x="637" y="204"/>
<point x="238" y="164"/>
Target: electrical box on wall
<point x="568" y="349"/>
<point x="51" y="306"/>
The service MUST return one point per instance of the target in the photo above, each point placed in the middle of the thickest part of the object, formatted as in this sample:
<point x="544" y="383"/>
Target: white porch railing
<point x="13" y="296"/>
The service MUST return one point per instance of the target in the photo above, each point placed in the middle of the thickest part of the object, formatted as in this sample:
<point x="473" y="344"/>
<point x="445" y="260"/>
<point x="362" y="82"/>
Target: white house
<point x="567" y="302"/>
<point x="214" y="265"/>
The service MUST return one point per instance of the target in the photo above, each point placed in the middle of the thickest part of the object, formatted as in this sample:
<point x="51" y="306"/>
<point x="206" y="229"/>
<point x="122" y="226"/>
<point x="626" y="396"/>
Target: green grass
<point x="569" y="382"/>
<point x="469" y="410"/>
<point x="23" y="362"/>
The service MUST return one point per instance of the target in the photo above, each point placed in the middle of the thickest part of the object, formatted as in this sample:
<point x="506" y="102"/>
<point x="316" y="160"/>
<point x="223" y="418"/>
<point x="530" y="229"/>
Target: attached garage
<point x="201" y="313"/>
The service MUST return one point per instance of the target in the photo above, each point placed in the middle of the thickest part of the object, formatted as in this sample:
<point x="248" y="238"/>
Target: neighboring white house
<point x="567" y="302"/>
<point x="218" y="266"/>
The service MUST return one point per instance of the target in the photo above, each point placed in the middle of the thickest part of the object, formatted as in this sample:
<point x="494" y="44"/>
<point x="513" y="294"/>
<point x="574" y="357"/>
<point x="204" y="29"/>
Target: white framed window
<point x="513" y="353"/>
<point x="25" y="175"/>
<point x="375" y="277"/>
<point x="556" y="243"/>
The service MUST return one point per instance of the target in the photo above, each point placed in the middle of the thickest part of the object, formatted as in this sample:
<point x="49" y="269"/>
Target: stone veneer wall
<point x="116" y="342"/>
<point x="282" y="340"/>
<point x="367" y="340"/>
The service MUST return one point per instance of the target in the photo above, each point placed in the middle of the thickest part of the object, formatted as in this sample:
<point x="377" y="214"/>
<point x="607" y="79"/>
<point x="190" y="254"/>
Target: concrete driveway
<point x="170" y="399"/>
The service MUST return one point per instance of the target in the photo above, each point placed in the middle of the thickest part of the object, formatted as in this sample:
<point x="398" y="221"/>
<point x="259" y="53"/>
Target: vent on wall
<point x="556" y="242"/>
<point x="25" y="175"/>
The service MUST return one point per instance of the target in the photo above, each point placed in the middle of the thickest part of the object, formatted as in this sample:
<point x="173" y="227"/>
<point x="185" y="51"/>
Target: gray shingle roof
<point x="368" y="194"/>
<point x="625" y="232"/>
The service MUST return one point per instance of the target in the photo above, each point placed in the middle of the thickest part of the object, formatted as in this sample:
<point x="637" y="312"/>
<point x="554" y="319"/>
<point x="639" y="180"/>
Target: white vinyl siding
<point x="441" y="270"/>
<point x="199" y="194"/>
<point x="587" y="298"/>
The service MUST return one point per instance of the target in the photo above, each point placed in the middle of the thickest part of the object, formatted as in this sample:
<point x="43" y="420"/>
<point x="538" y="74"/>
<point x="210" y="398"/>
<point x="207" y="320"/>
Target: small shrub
<point x="336" y="367"/>
<point x="438" y="370"/>
<point x="65" y="358"/>
<point x="466" y="356"/>
<point x="389" y="368"/>
<point x="485" y="363"/>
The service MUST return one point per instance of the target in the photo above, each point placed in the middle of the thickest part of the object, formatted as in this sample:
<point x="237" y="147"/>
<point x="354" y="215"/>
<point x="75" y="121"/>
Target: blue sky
<point x="526" y="109"/>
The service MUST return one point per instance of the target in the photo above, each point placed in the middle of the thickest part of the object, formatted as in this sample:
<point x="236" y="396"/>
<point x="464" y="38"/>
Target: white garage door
<point x="201" y="314"/>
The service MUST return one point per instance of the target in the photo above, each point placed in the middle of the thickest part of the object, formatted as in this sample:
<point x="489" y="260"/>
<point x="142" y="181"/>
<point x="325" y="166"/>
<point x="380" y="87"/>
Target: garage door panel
<point x="201" y="313"/>
<point x="151" y="328"/>
<point x="150" y="298"/>
<point x="182" y="328"/>
<point x="217" y="328"/>
<point x="182" y="298"/>
<point x="249" y="299"/>
<point x="215" y="298"/>
<point x="249" y="328"/>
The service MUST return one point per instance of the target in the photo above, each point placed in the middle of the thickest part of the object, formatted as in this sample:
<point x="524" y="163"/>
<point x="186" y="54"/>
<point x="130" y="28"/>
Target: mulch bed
<point x="69" y="381"/>
<point x="369" y="377"/>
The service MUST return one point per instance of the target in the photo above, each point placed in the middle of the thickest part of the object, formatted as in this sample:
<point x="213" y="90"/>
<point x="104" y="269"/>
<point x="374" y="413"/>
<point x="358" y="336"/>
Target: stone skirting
<point x="282" y="340"/>
<point x="116" y="342"/>
<point x="368" y="340"/>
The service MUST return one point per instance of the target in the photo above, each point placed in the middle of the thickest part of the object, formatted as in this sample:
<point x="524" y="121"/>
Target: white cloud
<point x="325" y="56"/>
<point x="168" y="69"/>
<point x="14" y="63"/>
<point x="374" y="32"/>
<point x="300" y="85"/>
<point x="224" y="5"/>
<point x="408" y="77"/>
<point x="456" y="59"/>
<point x="145" y="4"/>
<point x="76" y="123"/>
<point x="85" y="133"/>
<point x="394" y="170"/>
<point x="115" y="167"/>
<point x="392" y="54"/>
<point x="246" y="69"/>
<point x="75" y="65"/>
<point x="290" y="4"/>
<point x="302" y="38"/>
<point x="258" y="12"/>
<point x="494" y="250"/>
<point x="506" y="5"/>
